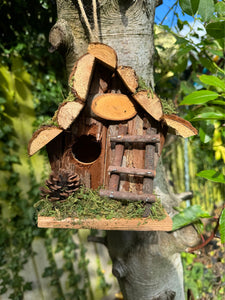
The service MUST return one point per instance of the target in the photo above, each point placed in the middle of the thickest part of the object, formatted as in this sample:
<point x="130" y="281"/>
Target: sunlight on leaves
<point x="189" y="215"/>
<point x="212" y="175"/>
<point x="222" y="226"/>
<point x="213" y="81"/>
<point x="199" y="97"/>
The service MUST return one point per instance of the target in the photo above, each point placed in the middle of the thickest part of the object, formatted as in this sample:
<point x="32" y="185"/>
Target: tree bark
<point x="146" y="264"/>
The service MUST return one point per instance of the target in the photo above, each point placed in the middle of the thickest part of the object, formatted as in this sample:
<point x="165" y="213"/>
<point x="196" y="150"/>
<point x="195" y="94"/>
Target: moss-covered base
<point x="86" y="203"/>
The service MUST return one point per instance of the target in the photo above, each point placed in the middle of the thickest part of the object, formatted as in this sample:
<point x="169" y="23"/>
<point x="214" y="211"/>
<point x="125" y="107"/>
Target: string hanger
<point x="94" y="33"/>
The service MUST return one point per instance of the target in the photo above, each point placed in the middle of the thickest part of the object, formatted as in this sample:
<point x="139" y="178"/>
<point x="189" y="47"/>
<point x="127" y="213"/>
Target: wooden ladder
<point x="151" y="141"/>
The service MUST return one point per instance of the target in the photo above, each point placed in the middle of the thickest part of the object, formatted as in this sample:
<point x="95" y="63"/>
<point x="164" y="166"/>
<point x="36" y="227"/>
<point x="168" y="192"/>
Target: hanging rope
<point x="95" y="18"/>
<point x="94" y="34"/>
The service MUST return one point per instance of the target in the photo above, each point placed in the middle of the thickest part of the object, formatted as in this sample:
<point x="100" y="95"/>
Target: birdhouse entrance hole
<point x="86" y="149"/>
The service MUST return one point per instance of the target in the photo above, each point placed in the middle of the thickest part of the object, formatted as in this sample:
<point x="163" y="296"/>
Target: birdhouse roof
<point x="110" y="105"/>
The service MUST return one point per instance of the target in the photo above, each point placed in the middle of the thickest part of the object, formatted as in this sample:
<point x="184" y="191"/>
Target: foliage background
<point x="194" y="78"/>
<point x="33" y="82"/>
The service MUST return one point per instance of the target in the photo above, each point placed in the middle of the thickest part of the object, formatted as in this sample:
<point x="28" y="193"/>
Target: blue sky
<point x="170" y="20"/>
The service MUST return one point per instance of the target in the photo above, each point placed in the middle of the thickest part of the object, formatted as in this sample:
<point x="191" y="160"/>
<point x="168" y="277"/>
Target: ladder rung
<point x="154" y="138"/>
<point x="132" y="171"/>
<point x="149" y="198"/>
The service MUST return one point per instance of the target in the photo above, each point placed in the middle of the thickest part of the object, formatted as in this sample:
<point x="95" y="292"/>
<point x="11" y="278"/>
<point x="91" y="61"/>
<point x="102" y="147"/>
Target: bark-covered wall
<point x="147" y="264"/>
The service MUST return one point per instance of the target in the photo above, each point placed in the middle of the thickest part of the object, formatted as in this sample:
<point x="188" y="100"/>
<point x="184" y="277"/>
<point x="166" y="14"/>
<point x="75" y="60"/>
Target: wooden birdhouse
<point x="107" y="135"/>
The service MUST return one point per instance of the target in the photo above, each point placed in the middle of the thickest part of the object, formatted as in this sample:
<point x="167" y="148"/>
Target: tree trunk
<point x="146" y="264"/>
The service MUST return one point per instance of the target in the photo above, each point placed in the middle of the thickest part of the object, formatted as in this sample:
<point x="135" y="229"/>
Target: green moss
<point x="86" y="203"/>
<point x="47" y="122"/>
<point x="71" y="81"/>
<point x="142" y="85"/>
<point x="71" y="97"/>
<point x="168" y="106"/>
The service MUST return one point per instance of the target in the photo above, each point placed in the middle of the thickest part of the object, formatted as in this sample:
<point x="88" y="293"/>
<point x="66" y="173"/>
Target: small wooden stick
<point x="119" y="150"/>
<point x="149" y="164"/>
<point x="155" y="138"/>
<point x="127" y="196"/>
<point x="202" y="245"/>
<point x="131" y="171"/>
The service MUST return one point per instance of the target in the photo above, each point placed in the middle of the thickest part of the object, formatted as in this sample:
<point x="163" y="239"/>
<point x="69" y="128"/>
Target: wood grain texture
<point x="150" y="102"/>
<point x="114" y="107"/>
<point x="81" y="76"/>
<point x="136" y="138"/>
<point x="142" y="224"/>
<point x="104" y="53"/>
<point x="182" y="127"/>
<point x="129" y="78"/>
<point x="131" y="171"/>
<point x="42" y="137"/>
<point x="68" y="112"/>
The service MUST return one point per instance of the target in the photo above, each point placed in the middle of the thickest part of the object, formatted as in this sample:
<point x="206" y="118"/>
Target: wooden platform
<point x="143" y="224"/>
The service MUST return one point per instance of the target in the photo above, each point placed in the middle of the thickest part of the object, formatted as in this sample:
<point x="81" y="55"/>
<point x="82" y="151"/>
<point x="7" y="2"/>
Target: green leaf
<point x="213" y="80"/>
<point x="217" y="115"/>
<point x="206" y="9"/>
<point x="199" y="97"/>
<point x="206" y="131"/>
<point x="2" y="100"/>
<point x="190" y="7"/>
<point x="216" y="29"/>
<point x="216" y="52"/>
<point x="185" y="50"/>
<point x="218" y="102"/>
<point x="189" y="215"/>
<point x="181" y="64"/>
<point x="207" y="63"/>
<point x="220" y="7"/>
<point x="186" y="87"/>
<point x="222" y="226"/>
<point x="212" y="175"/>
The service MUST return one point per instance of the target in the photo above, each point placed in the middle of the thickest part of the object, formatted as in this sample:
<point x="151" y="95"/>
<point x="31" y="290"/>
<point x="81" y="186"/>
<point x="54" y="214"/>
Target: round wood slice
<point x="150" y="102"/>
<point x="114" y="107"/>
<point x="104" y="53"/>
<point x="42" y="137"/>
<point x="81" y="76"/>
<point x="182" y="127"/>
<point x="68" y="112"/>
<point x="129" y="78"/>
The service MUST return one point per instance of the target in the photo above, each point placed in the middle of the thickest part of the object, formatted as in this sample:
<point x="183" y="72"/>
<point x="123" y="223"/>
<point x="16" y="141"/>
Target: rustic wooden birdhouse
<point x="107" y="135"/>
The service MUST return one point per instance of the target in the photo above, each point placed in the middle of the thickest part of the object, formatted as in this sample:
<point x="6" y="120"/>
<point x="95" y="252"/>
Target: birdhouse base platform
<point x="138" y="224"/>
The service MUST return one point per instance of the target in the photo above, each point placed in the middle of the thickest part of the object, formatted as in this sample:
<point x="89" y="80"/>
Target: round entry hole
<point x="86" y="149"/>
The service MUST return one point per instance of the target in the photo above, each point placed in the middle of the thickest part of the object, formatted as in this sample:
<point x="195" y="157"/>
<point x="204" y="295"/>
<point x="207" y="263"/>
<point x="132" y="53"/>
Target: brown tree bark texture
<point x="146" y="264"/>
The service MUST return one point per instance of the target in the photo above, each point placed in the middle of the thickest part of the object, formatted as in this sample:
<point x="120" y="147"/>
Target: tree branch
<point x="206" y="242"/>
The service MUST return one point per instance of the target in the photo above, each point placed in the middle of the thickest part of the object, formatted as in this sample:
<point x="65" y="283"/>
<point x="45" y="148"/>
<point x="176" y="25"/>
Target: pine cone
<point x="60" y="185"/>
